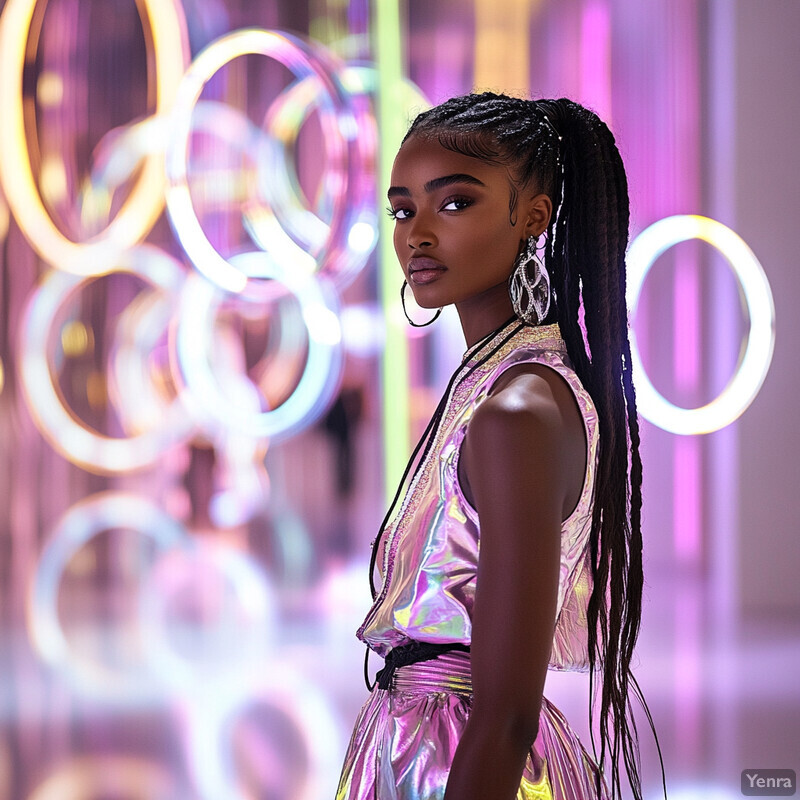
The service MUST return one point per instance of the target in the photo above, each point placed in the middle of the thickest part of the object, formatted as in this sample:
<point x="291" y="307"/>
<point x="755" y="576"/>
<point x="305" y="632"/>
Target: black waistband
<point x="412" y="653"/>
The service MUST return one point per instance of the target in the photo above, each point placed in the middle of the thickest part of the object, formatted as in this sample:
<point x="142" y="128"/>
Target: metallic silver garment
<point x="405" y="738"/>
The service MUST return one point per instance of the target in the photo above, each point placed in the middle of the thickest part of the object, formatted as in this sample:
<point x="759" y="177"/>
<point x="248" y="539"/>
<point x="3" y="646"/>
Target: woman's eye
<point x="457" y="204"/>
<point x="398" y="213"/>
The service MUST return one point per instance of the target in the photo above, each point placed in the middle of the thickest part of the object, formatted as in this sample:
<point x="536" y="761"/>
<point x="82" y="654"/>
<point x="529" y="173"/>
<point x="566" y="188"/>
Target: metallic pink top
<point x="431" y="546"/>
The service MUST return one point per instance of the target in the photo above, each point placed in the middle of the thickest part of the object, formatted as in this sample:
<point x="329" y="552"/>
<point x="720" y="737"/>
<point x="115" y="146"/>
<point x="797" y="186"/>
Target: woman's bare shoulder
<point x="529" y="428"/>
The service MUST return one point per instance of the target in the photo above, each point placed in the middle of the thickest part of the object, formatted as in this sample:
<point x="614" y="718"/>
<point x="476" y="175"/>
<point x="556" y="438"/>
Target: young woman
<point x="517" y="546"/>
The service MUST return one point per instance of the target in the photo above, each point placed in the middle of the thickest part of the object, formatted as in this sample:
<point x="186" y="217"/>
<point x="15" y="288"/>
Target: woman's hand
<point x="523" y="458"/>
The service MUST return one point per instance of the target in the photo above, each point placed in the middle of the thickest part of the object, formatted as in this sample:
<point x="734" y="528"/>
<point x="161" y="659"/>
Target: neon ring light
<point x="235" y="637"/>
<point x="82" y="522"/>
<point x="339" y="130"/>
<point x="142" y="207"/>
<point x="65" y="433"/>
<point x="204" y="396"/>
<point x="756" y="356"/>
<point x="211" y="731"/>
<point x="280" y="221"/>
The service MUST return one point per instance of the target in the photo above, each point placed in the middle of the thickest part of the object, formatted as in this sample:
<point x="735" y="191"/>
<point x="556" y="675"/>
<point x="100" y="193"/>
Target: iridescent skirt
<point x="405" y="739"/>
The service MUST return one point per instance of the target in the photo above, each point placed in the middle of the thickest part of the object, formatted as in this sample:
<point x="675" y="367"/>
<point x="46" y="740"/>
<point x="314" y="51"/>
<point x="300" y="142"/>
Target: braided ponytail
<point x="589" y="241"/>
<point x="570" y="154"/>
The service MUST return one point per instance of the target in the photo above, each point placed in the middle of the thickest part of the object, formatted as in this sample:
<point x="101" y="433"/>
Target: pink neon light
<point x="688" y="675"/>
<point x="687" y="505"/>
<point x="687" y="499"/>
<point x="687" y="324"/>
<point x="595" y="91"/>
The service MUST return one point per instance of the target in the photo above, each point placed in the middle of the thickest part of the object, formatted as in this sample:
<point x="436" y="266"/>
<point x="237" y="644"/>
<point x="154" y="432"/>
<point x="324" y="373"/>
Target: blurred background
<point x="207" y="390"/>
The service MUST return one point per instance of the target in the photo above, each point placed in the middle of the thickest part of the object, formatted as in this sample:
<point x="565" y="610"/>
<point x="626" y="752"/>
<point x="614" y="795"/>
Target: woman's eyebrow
<point x="437" y="183"/>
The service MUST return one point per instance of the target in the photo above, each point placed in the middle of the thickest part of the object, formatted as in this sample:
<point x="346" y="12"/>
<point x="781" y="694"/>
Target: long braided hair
<point x="563" y="149"/>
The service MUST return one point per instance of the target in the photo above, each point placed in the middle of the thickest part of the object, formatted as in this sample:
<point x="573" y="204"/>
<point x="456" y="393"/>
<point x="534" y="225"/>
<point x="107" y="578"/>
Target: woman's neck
<point x="484" y="313"/>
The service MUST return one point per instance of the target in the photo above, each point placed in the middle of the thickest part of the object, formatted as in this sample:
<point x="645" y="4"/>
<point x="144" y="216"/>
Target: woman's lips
<point x="424" y="270"/>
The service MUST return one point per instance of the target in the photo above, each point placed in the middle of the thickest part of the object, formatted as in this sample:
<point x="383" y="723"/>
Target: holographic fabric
<point x="405" y="737"/>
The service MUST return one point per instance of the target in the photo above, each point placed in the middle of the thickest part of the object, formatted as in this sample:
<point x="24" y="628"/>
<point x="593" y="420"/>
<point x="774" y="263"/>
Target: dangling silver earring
<point x="411" y="321"/>
<point x="529" y="286"/>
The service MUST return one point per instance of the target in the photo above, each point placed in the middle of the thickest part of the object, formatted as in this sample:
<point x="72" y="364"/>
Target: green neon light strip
<point x="391" y="129"/>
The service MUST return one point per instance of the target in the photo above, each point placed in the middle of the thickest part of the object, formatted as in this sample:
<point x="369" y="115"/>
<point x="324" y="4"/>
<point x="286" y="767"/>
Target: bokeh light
<point x="756" y="355"/>
<point x="207" y="386"/>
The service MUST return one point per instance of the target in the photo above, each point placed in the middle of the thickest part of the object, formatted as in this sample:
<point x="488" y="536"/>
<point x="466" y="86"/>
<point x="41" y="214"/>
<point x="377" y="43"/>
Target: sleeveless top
<point x="431" y="545"/>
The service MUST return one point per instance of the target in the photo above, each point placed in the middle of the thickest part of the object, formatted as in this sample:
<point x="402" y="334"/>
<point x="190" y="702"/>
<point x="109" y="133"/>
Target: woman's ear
<point x="539" y="209"/>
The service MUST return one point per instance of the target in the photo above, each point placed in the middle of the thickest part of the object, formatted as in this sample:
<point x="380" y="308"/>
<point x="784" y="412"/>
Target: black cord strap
<point x="412" y="653"/>
<point x="427" y="439"/>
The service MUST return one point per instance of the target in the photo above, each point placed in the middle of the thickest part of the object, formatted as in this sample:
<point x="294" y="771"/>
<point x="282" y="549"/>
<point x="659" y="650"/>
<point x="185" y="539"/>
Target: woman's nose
<point x="420" y="233"/>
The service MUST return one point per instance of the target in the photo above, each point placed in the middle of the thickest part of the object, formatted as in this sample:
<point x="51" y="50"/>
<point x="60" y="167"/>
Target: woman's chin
<point x="427" y="297"/>
<point x="432" y="305"/>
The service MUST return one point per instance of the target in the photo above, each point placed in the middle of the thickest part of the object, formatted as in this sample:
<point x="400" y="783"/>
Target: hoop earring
<point x="529" y="286"/>
<point x="411" y="321"/>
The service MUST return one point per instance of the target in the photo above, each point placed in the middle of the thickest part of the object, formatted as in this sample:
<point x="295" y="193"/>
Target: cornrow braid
<point x="567" y="152"/>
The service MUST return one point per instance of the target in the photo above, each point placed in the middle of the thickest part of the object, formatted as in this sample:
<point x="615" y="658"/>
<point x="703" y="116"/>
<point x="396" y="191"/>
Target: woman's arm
<point x="524" y="459"/>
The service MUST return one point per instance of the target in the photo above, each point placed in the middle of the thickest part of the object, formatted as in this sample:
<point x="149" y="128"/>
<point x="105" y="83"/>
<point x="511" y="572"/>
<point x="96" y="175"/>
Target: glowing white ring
<point x="82" y="522"/>
<point x="255" y="621"/>
<point x="338" y="121"/>
<point x="131" y="389"/>
<point x="320" y="377"/>
<point x="65" y="433"/>
<point x="142" y="207"/>
<point x="283" y="224"/>
<point x="754" y="361"/>
<point x="210" y="729"/>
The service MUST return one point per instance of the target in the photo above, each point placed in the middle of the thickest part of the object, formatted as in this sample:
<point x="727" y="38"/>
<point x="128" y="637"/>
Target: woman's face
<point x="453" y="232"/>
